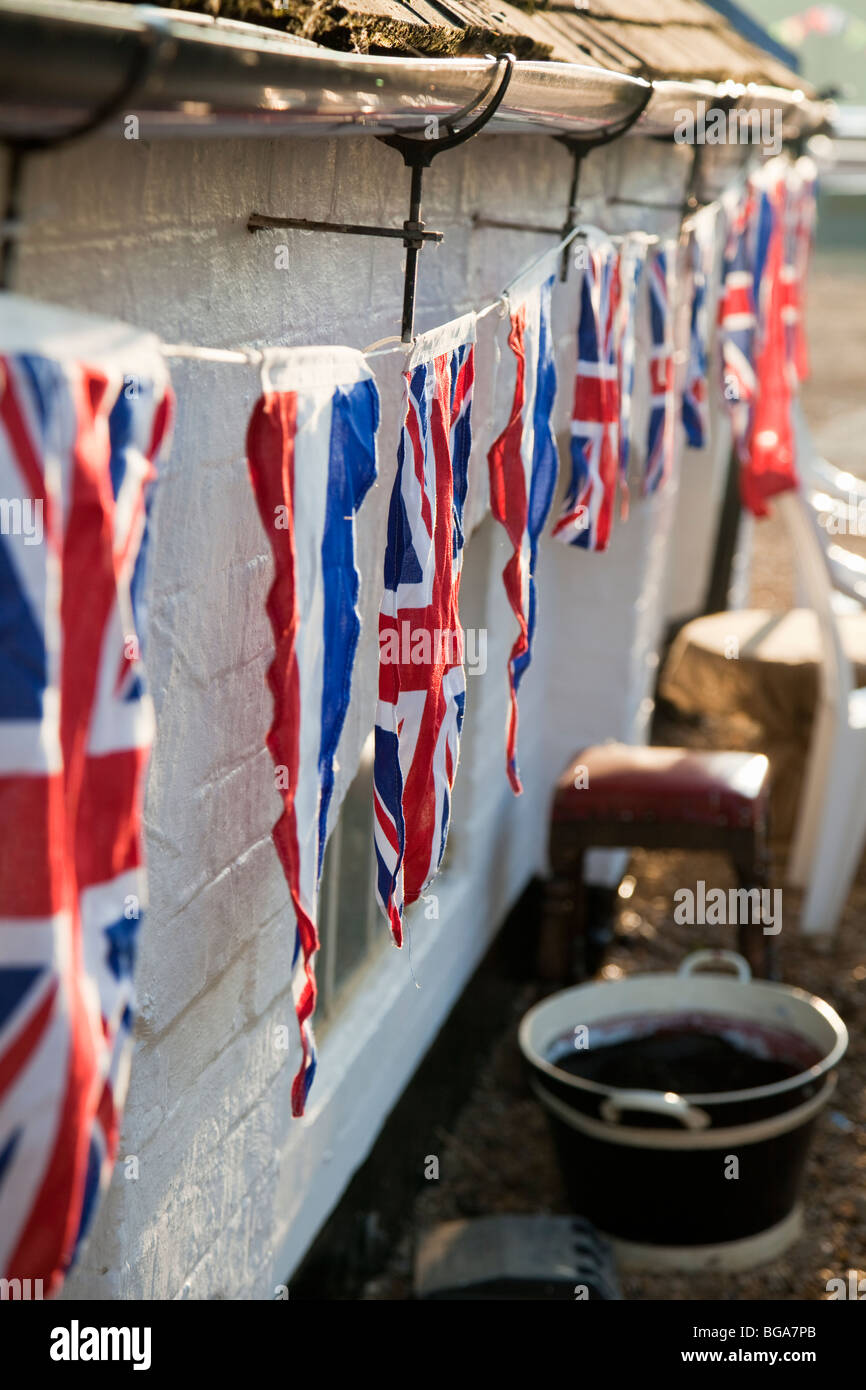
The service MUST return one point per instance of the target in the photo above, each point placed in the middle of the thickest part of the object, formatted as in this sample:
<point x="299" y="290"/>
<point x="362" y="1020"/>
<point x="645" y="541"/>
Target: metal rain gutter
<point x="61" y="60"/>
<point x="670" y="99"/>
<point x="799" y="116"/>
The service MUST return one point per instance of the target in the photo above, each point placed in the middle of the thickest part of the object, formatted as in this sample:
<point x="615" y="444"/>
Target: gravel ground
<point x="498" y="1156"/>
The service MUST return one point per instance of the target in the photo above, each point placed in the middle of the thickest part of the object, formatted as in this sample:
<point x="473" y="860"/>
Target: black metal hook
<point x="152" y="40"/>
<point x="418" y="154"/>
<point x="580" y="148"/>
<point x="691" y="201"/>
<point x="422" y="152"/>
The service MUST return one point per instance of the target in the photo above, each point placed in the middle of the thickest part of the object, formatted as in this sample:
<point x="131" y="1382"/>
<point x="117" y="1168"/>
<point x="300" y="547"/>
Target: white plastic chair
<point x="831" y="826"/>
<point x="831" y="493"/>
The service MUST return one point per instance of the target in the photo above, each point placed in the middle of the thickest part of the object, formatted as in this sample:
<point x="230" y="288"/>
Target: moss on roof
<point x="652" y="38"/>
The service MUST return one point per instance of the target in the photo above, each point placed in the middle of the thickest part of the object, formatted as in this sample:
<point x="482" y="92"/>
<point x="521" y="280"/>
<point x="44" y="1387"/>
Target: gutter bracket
<point x="691" y="201"/>
<point x="579" y="149"/>
<point x="153" y="41"/>
<point x="418" y="155"/>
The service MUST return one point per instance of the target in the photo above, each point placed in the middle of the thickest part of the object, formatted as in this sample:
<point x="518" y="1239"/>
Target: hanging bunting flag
<point x="587" y="515"/>
<point x="737" y="321"/>
<point x="523" y="468"/>
<point x="422" y="683"/>
<point x="84" y="414"/>
<point x="695" y="399"/>
<point x="316" y="422"/>
<point x="632" y="262"/>
<point x="661" y="435"/>
<point x="743" y="268"/>
<point x="769" y="467"/>
<point x="801" y="180"/>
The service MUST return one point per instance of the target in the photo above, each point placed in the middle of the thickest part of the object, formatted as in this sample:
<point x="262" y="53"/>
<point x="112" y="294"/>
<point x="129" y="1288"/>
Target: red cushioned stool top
<point x="615" y="781"/>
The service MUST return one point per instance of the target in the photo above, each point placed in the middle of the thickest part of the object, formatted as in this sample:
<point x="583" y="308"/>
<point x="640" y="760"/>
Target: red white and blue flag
<point x="800" y="183"/>
<point x="523" y="469"/>
<point x="422" y="683"/>
<point x="587" y="514"/>
<point x="632" y="261"/>
<point x="695" y="396"/>
<point x="737" y="320"/>
<point x="805" y="198"/>
<point x="84" y="413"/>
<point x="311" y="448"/>
<point x="749" y="224"/>
<point x="661" y="435"/>
<point x="769" y="466"/>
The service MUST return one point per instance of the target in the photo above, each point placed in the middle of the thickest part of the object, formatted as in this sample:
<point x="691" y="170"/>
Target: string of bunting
<point x="312" y="448"/>
<point x="421" y="693"/>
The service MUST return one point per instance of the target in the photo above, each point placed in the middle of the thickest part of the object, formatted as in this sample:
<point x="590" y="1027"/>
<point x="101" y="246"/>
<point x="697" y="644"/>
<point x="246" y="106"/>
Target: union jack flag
<point x="523" y="468"/>
<point x="799" y="185"/>
<point x="737" y="322"/>
<point x="316" y="422"/>
<point x="662" y="424"/>
<point x="806" y="185"/>
<point x="84" y="414"/>
<point x="632" y="262"/>
<point x="743" y="267"/>
<point x="695" y="401"/>
<point x="422" y="684"/>
<point x="587" y="515"/>
<point x="769" y="467"/>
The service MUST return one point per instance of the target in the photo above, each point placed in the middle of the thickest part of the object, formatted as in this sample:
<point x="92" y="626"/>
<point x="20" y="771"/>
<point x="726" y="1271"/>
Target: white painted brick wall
<point x="231" y="1190"/>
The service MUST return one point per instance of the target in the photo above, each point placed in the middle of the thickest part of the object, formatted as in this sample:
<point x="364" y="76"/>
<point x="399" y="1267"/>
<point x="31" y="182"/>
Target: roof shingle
<point x="676" y="39"/>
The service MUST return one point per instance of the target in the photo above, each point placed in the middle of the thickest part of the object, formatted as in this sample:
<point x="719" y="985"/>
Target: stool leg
<point x="561" y="947"/>
<point x="578" y="955"/>
<point x="752" y="943"/>
<point x="599" y="905"/>
<point x="554" y="953"/>
<point x="758" y="948"/>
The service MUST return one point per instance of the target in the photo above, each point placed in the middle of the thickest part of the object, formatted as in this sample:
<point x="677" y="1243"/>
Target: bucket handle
<point x="657" y="1103"/>
<point x="699" y="958"/>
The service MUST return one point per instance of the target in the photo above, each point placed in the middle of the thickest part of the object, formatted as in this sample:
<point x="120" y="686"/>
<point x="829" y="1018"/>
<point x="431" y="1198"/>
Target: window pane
<point x="353" y="881"/>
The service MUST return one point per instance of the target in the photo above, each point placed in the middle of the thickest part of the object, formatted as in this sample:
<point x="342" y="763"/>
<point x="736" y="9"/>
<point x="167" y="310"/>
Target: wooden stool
<point x="766" y="666"/>
<point x="617" y="796"/>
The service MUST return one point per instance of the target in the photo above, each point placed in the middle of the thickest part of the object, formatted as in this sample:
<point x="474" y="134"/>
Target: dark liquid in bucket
<point x="688" y="1060"/>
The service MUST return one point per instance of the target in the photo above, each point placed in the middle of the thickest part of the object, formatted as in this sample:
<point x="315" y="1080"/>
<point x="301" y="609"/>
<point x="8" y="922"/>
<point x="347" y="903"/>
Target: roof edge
<point x="63" y="60"/>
